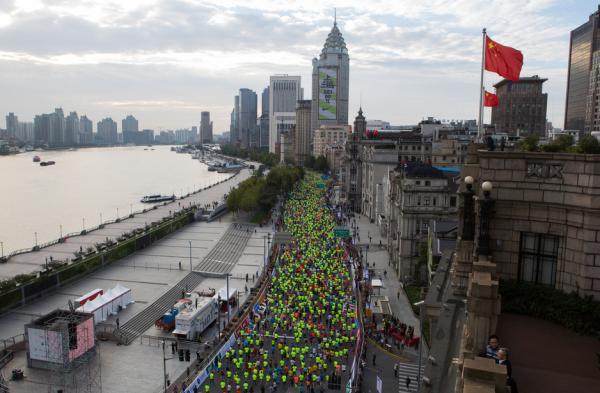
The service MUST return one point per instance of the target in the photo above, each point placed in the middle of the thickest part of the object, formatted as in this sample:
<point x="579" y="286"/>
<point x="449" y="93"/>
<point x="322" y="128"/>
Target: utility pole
<point x="228" y="305"/>
<point x="421" y="341"/>
<point x="164" y="367"/>
<point x="191" y="256"/>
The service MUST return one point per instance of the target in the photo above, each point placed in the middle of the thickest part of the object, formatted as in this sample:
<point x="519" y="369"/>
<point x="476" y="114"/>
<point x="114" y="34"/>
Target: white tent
<point x="110" y="303"/>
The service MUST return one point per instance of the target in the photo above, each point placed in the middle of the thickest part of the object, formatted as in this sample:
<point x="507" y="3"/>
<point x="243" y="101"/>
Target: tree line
<point x="259" y="193"/>
<point x="264" y="157"/>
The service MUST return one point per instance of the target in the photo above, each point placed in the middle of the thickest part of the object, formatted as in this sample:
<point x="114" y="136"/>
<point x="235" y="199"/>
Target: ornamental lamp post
<point x="468" y="211"/>
<point x="486" y="207"/>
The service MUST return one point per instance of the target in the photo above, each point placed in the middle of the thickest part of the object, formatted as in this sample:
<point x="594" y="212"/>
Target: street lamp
<point x="190" y="255"/>
<point x="35" y="234"/>
<point x="60" y="229"/>
<point x="117" y="213"/>
<point x="165" y="376"/>
<point x="130" y="209"/>
<point x="100" y="218"/>
<point x="2" y="248"/>
<point x="420" y="305"/>
<point x="83" y="223"/>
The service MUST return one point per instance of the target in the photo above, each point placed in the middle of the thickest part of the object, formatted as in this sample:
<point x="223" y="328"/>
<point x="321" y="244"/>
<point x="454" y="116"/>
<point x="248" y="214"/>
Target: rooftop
<point x="335" y="42"/>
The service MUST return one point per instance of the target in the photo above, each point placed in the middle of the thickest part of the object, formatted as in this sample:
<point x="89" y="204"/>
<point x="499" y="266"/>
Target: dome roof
<point x="335" y="42"/>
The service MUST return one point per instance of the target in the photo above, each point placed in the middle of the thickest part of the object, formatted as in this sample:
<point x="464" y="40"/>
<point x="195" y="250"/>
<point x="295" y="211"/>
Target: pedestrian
<point x="398" y="295"/>
<point x="407" y="381"/>
<point x="374" y="358"/>
<point x="179" y="265"/>
<point x="396" y="370"/>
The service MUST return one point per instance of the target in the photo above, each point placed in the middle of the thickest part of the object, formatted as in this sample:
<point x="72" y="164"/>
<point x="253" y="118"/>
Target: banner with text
<point x="327" y="93"/>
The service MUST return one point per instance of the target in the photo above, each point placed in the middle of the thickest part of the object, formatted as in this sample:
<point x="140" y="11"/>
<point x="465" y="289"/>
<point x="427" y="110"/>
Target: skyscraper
<point x="263" y="121"/>
<point x="330" y="82"/>
<point x="234" y="125"/>
<point x="57" y="128"/>
<point x="247" y="119"/>
<point x="303" y="133"/>
<point x="585" y="41"/>
<point x="12" y="123"/>
<point x="284" y="92"/>
<point x="206" y="128"/>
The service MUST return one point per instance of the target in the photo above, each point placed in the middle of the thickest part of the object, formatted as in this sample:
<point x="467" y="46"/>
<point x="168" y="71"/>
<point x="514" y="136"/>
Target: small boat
<point x="46" y="163"/>
<point x="157" y="198"/>
<point x="36" y="159"/>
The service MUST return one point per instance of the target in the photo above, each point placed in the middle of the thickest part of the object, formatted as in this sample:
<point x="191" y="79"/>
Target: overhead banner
<point x="327" y="93"/>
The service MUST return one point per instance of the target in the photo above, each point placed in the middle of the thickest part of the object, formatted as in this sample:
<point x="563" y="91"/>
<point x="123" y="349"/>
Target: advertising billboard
<point x="327" y="93"/>
<point x="45" y="345"/>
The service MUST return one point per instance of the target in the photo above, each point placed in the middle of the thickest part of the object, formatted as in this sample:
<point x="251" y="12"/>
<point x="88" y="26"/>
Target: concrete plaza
<point x="149" y="273"/>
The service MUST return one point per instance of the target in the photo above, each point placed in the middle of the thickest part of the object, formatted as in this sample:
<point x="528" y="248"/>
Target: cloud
<point x="223" y="45"/>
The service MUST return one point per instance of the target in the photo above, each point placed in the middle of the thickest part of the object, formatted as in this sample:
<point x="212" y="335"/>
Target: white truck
<point x="194" y="318"/>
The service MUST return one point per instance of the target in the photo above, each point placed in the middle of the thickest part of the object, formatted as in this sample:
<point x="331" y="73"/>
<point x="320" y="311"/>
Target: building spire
<point x="335" y="16"/>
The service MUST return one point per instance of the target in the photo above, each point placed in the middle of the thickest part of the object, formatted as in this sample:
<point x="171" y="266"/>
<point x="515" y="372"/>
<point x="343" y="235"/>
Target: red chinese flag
<point x="490" y="99"/>
<point x="503" y="60"/>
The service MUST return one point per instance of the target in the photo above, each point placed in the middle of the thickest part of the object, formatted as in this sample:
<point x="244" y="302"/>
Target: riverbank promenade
<point x="33" y="261"/>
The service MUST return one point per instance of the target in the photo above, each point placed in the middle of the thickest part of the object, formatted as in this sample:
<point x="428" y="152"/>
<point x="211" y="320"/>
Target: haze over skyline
<point x="165" y="61"/>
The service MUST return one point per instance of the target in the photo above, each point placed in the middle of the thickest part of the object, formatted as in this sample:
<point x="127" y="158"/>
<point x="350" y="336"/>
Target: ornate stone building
<point x="419" y="194"/>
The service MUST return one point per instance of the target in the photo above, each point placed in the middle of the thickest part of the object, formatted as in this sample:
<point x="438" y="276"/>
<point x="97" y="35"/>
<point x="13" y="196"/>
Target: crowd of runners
<point x="304" y="338"/>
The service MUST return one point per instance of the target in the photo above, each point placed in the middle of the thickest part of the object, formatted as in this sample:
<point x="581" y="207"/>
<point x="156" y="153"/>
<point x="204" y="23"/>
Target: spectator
<point x="491" y="350"/>
<point x="503" y="360"/>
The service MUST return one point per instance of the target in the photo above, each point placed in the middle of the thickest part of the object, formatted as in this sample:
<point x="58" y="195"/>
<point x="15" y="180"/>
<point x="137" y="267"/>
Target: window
<point x="427" y="183"/>
<point x="453" y="201"/>
<point x="426" y="201"/>
<point x="434" y="201"/>
<point x="538" y="257"/>
<point x="418" y="182"/>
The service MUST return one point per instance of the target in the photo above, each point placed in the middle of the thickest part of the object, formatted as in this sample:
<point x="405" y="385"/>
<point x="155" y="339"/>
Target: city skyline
<point x="167" y="74"/>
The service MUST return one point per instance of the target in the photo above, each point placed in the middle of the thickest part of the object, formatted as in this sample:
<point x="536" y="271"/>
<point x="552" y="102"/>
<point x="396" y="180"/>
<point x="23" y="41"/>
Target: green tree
<point x="529" y="143"/>
<point x="589" y="145"/>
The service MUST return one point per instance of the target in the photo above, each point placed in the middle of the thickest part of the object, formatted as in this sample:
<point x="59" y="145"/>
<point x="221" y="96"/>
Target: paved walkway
<point x="35" y="260"/>
<point x="378" y="260"/>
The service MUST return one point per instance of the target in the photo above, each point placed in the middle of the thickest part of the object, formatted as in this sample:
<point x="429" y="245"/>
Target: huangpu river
<point x="86" y="185"/>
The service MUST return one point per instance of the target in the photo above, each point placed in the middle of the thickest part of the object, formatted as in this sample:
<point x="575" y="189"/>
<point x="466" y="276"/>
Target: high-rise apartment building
<point x="303" y="134"/>
<point x="129" y="128"/>
<point x="284" y="92"/>
<point x="25" y="131"/>
<point x="57" y="129"/>
<point x="72" y="129"/>
<point x="86" y="128"/>
<point x="522" y="107"/>
<point x="247" y="119"/>
<point x="41" y="129"/>
<point x="107" y="132"/>
<point x="330" y="82"/>
<point x="206" y="128"/>
<point x="12" y="122"/>
<point x="585" y="41"/>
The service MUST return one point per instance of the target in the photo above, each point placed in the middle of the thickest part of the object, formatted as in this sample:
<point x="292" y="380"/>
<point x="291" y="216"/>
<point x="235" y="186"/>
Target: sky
<point x="165" y="61"/>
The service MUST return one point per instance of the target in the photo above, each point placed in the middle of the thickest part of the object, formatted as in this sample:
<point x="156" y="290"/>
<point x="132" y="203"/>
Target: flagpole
<point x="480" y="130"/>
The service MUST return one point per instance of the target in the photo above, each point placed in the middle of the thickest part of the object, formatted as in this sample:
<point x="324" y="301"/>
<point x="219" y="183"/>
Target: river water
<point x="86" y="184"/>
